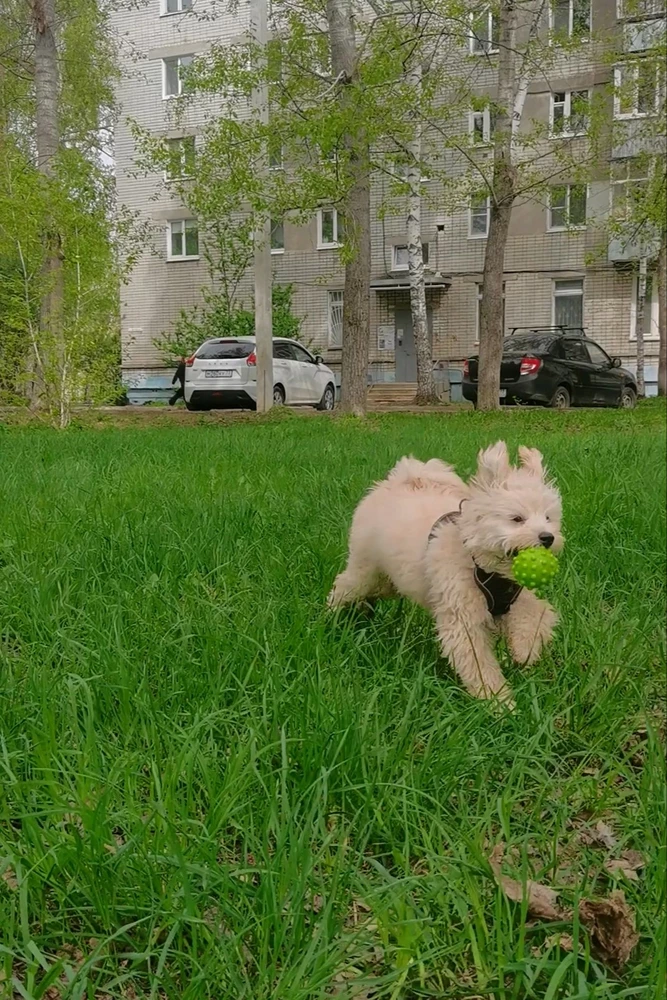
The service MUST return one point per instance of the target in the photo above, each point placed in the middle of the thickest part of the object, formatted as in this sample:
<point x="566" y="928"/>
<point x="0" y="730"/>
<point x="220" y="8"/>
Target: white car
<point x="223" y="373"/>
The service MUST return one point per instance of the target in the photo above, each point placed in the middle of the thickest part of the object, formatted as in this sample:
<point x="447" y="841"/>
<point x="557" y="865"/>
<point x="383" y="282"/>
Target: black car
<point x="559" y="367"/>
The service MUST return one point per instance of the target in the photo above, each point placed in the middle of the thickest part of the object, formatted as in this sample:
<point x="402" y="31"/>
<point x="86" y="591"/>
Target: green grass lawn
<point x="212" y="789"/>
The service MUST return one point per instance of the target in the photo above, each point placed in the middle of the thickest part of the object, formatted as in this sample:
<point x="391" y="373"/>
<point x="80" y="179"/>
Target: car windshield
<point x="218" y="349"/>
<point x="540" y="344"/>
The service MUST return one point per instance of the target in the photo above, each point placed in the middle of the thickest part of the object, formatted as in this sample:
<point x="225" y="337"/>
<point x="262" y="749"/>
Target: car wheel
<point x="328" y="400"/>
<point x="561" y="398"/>
<point x="628" y="398"/>
<point x="278" y="395"/>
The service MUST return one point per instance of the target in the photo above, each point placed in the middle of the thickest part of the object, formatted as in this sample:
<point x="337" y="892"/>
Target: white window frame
<point x="171" y="13"/>
<point x="478" y="304"/>
<point x="484" y="235"/>
<point x="177" y="60"/>
<point x="334" y="297"/>
<point x="628" y="115"/>
<point x="570" y="27"/>
<point x="321" y="245"/>
<point x="566" y="293"/>
<point x="567" y="132"/>
<point x="653" y="305"/>
<point x="277" y="250"/>
<point x="426" y="250"/>
<point x="485" y="115"/>
<point x="183" y="256"/>
<point x="279" y="164"/>
<point x="183" y="175"/>
<point x="626" y="183"/>
<point x="488" y="49"/>
<point x="567" y="227"/>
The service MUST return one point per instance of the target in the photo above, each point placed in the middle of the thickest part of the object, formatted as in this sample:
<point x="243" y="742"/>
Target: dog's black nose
<point x="547" y="539"/>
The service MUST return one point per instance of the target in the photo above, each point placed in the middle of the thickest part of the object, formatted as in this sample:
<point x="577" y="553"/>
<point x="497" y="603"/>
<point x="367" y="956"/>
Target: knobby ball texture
<point x="535" y="568"/>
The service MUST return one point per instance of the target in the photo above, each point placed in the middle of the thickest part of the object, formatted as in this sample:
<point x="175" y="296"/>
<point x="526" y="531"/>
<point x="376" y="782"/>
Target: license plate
<point x="503" y="393"/>
<point x="217" y="374"/>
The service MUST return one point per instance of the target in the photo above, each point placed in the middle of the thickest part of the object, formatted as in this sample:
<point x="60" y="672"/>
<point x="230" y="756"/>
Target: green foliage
<point x="217" y="317"/>
<point x="76" y="360"/>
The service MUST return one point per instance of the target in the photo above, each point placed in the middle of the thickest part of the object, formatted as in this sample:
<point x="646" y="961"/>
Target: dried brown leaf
<point x="541" y="899"/>
<point x="9" y="878"/>
<point x="611" y="925"/>
<point x="564" y="940"/>
<point x="629" y="863"/>
<point x="601" y="836"/>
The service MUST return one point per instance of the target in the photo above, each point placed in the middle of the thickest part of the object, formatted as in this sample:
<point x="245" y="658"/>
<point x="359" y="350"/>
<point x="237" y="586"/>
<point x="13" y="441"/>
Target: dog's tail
<point x="416" y="475"/>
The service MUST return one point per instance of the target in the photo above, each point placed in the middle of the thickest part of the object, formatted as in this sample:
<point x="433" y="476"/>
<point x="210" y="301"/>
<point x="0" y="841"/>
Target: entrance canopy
<point x="433" y="282"/>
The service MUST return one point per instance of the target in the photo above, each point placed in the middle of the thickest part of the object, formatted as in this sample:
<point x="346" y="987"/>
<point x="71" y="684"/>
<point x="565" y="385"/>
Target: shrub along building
<point x="560" y="266"/>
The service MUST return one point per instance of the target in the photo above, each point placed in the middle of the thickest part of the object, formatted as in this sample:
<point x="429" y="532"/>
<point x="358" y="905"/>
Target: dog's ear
<point x="493" y="465"/>
<point x="531" y="460"/>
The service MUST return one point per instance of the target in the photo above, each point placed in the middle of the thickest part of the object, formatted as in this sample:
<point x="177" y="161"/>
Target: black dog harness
<point x="499" y="592"/>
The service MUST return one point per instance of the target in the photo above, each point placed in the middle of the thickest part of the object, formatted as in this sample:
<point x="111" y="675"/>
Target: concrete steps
<point x="392" y="394"/>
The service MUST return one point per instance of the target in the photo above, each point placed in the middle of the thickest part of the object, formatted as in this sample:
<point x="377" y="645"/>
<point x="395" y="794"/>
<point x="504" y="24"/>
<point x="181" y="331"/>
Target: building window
<point x="478" y="321"/>
<point x="568" y="305"/>
<point x="636" y="89"/>
<point x="651" y="309"/>
<point x="570" y="19"/>
<point x="335" y="319"/>
<point x="276" y="152"/>
<point x="480" y="210"/>
<point x="400" y="257"/>
<point x="277" y="236"/>
<point x="480" y="127"/>
<point x="183" y="239"/>
<point x="329" y="228"/>
<point x="484" y="33"/>
<point x="570" y="111"/>
<point x="276" y="155"/>
<point x="172" y="75"/>
<point x="628" y="184"/>
<point x="567" y="206"/>
<point x="180" y="158"/>
<point x="176" y="6"/>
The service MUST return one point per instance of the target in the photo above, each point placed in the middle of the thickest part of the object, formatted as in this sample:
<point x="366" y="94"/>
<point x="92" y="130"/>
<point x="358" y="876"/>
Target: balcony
<point x="624" y="249"/>
<point x="642" y="36"/>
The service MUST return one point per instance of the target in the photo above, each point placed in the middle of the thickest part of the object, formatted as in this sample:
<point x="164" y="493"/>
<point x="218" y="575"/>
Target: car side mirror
<point x="615" y="362"/>
<point x="319" y="360"/>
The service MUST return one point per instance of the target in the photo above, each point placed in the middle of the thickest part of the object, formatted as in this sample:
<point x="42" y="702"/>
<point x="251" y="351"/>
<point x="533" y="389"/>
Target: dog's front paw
<point x="528" y="634"/>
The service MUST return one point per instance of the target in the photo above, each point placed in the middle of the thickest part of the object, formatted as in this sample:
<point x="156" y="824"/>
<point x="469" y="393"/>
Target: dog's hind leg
<point x="359" y="580"/>
<point x="467" y="645"/>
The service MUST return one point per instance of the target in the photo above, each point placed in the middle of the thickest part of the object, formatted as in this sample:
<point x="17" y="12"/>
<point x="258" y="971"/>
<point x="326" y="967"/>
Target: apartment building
<point x="556" y="271"/>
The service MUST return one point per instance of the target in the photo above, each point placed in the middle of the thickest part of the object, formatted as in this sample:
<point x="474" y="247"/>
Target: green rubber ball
<point x="534" y="568"/>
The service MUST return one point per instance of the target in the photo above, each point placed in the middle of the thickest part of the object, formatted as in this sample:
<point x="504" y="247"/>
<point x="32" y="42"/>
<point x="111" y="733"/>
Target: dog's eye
<point x="547" y="517"/>
<point x="518" y="519"/>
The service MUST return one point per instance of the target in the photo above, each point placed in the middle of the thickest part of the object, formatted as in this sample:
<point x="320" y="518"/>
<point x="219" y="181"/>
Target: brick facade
<point x="159" y="288"/>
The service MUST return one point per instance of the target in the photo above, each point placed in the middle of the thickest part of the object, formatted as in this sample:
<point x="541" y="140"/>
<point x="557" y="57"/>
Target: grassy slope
<point x="212" y="790"/>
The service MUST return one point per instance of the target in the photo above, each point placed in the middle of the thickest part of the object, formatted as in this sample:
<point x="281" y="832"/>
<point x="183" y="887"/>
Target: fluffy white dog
<point x="425" y="534"/>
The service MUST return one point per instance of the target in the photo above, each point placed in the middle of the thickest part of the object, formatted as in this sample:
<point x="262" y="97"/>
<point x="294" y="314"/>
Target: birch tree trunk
<point x="47" y="137"/>
<point x="357" y="215"/>
<point x="662" y="317"/>
<point x="500" y="214"/>
<point x="513" y="79"/>
<point x="425" y="384"/>
<point x="639" y="327"/>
